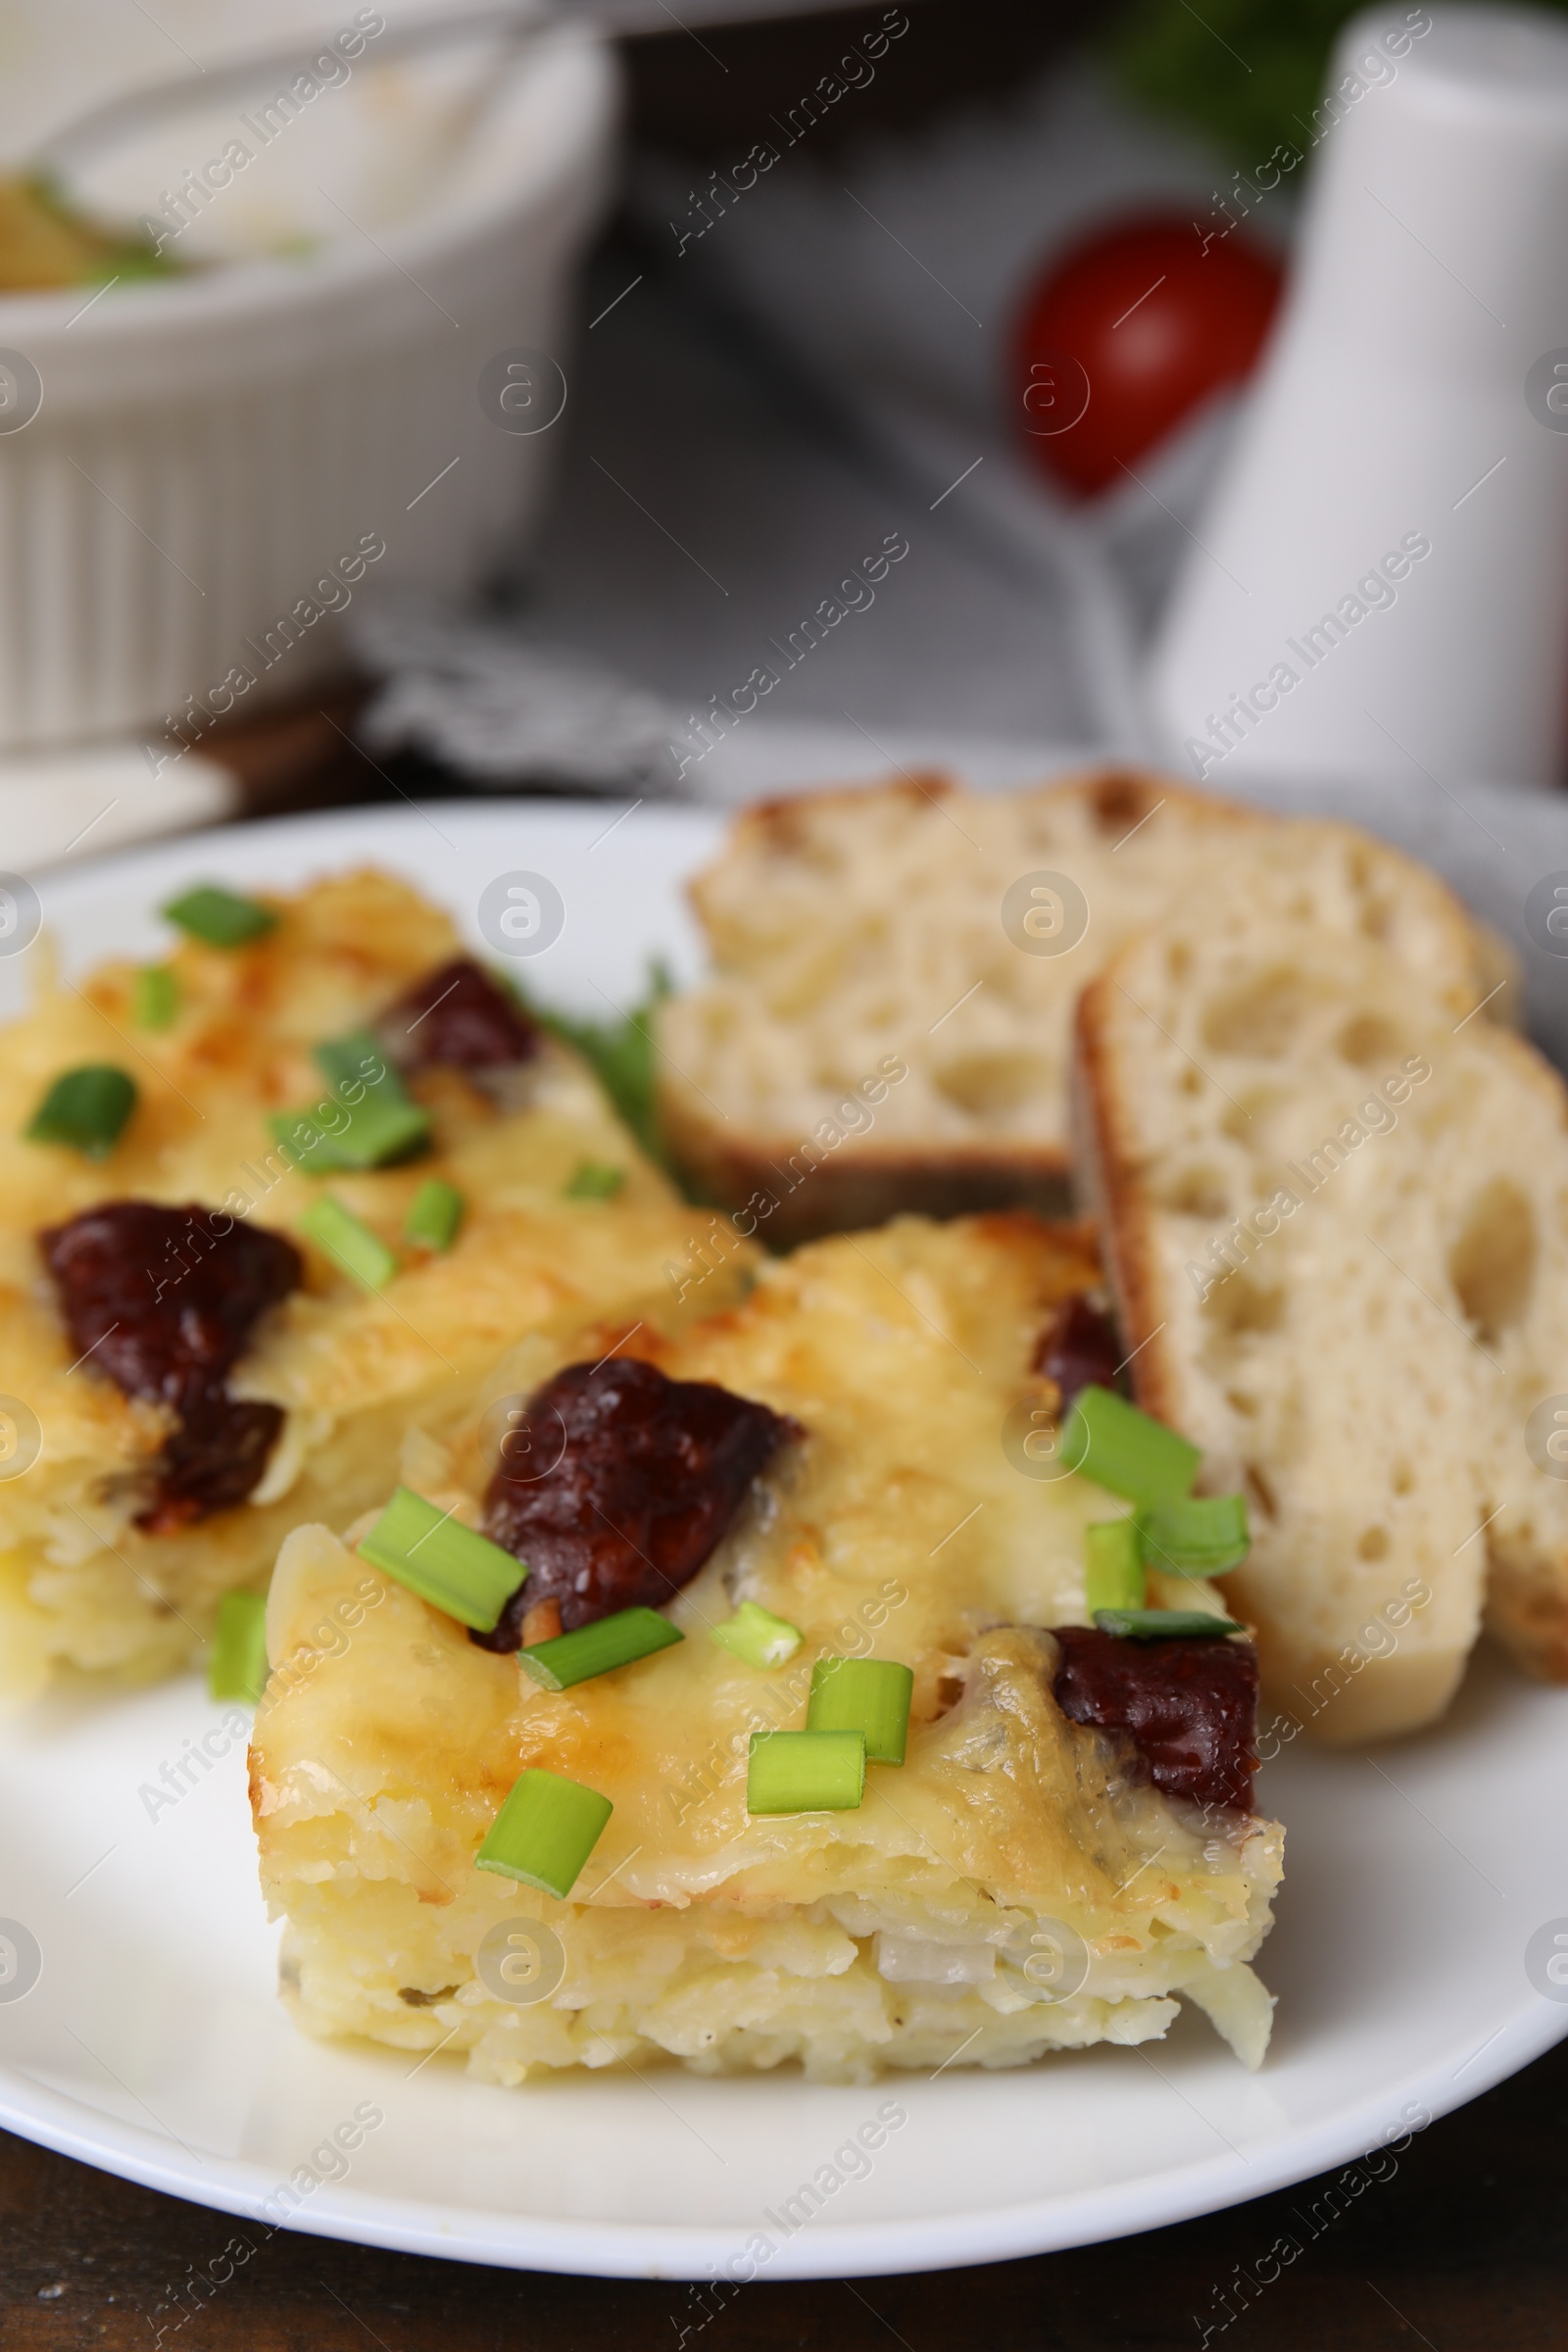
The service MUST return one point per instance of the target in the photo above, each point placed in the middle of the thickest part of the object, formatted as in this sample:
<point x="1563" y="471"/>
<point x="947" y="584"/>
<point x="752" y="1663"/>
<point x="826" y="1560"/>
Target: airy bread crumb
<point x="887" y="1026"/>
<point x="1334" y="1214"/>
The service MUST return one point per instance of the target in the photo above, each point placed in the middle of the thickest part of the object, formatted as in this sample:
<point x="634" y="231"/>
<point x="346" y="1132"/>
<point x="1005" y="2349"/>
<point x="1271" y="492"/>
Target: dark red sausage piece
<point x="653" y="1472"/>
<point x="163" y="1302"/>
<point x="1080" y="1348"/>
<point x="1189" y="1708"/>
<point x="459" y="1017"/>
<point x="213" y="1460"/>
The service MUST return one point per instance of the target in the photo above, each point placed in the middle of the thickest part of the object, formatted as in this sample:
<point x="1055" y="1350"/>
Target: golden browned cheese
<point x="355" y="1371"/>
<point x="933" y="1919"/>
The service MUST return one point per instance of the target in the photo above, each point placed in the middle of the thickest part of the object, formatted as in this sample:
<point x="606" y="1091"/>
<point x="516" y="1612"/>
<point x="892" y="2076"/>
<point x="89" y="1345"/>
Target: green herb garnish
<point x="597" y="1649"/>
<point x="155" y="996"/>
<point x="349" y="1243"/>
<point x="434" y="1215"/>
<point x="1202" y="1535"/>
<point x="445" y="1562"/>
<point x="544" y="1832"/>
<point x="368" y="1121"/>
<point x="592" y="1180"/>
<point x="237" y="1667"/>
<point x="805" y="1772"/>
<point x="757" y="1637"/>
<point x="86" y="1108"/>
<point x="1164" y="1625"/>
<point x="218" y="917"/>
<point x="868" y="1695"/>
<point x="1125" y="1450"/>
<point x="1114" y="1576"/>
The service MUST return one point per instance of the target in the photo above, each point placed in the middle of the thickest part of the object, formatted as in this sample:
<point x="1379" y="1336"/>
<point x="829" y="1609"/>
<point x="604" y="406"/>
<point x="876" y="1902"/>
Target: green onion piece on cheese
<point x="434" y="1215"/>
<point x="349" y="1243"/>
<point x="805" y="1772"/>
<point x="1125" y="1451"/>
<point x="1164" y="1625"/>
<point x="618" y="1640"/>
<point x="869" y="1695"/>
<point x="445" y="1562"/>
<point x="218" y="917"/>
<point x="1202" y="1535"/>
<point x="757" y="1637"/>
<point x="544" y="1832"/>
<point x="593" y="1180"/>
<point x="237" y="1667"/>
<point x="155" y="996"/>
<point x="1114" y="1578"/>
<point x="367" y="1120"/>
<point x="86" y="1108"/>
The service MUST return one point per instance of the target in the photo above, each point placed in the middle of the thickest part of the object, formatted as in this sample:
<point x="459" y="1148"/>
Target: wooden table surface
<point x="1462" y="2247"/>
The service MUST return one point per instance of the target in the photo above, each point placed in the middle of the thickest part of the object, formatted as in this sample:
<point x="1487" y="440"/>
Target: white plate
<point x="152" y="2044"/>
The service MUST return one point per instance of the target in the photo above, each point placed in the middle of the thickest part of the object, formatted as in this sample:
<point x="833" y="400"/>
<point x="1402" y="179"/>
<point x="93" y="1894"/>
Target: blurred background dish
<point x="200" y="471"/>
<point x="996" y="287"/>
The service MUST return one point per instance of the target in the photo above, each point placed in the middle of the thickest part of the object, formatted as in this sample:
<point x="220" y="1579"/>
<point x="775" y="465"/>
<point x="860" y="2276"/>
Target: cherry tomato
<point x="1126" y="333"/>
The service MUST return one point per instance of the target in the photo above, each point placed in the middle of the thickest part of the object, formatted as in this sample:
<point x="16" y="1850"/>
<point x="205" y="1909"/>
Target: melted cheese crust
<point x="899" y="1527"/>
<point x="79" y="1584"/>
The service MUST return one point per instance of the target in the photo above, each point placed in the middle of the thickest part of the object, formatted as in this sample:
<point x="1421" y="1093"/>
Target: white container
<point x="1397" y="415"/>
<point x="208" y="449"/>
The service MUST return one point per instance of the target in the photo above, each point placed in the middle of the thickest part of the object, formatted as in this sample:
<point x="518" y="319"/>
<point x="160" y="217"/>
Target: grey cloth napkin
<point x="869" y="288"/>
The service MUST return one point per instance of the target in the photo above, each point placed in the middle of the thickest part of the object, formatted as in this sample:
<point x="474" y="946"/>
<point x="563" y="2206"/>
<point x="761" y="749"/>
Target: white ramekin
<point x="208" y="451"/>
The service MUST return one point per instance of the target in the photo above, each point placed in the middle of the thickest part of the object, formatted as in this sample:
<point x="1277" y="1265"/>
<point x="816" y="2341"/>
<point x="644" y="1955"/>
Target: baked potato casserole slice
<point x="835" y="1474"/>
<point x="262" y="1207"/>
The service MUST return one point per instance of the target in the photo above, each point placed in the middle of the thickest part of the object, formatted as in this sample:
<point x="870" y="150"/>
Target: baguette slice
<point x="1334" y="1217"/>
<point x="875" y="1039"/>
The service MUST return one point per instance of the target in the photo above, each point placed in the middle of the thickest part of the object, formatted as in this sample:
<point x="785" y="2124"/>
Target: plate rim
<point x="668" y="2250"/>
<point x="656" y="2250"/>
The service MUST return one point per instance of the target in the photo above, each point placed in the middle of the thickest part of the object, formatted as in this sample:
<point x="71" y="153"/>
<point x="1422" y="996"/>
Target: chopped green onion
<point x="155" y="996"/>
<point x="445" y="1562"/>
<point x="757" y="1637"/>
<point x="544" y="1832"/>
<point x="1163" y="1625"/>
<point x="618" y="1640"/>
<point x="1114" y="1578"/>
<point x="593" y="1180"/>
<point x="869" y="1695"/>
<point x="376" y="1122"/>
<point x="219" y="917"/>
<point x="237" y="1667"/>
<point x="1125" y="1451"/>
<point x="805" y="1772"/>
<point x="86" y="1108"/>
<point x="434" y="1215"/>
<point x="1202" y="1535"/>
<point x="349" y="1243"/>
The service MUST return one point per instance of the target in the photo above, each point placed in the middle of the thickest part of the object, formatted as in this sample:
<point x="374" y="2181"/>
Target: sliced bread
<point x="1336" y="1219"/>
<point x="887" y="1025"/>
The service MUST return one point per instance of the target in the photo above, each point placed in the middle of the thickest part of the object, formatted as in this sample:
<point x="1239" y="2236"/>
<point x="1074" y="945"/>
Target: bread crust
<point x="747" y="1175"/>
<point x="1106" y="1193"/>
<point x="1527" y="1611"/>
